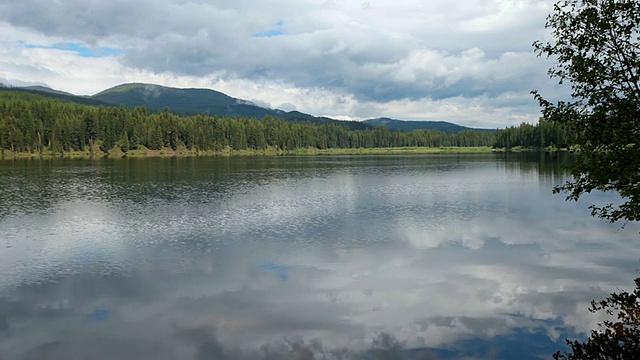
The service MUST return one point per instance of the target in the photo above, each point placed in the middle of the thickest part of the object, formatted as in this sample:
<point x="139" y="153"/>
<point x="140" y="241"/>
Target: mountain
<point x="195" y="101"/>
<point x="211" y="102"/>
<point x="56" y="94"/>
<point x="177" y="100"/>
<point x="47" y="90"/>
<point x="417" y="125"/>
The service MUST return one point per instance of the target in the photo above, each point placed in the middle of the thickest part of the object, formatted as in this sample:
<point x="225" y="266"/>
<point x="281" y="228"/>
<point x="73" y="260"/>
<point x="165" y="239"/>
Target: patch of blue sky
<point x="276" y="30"/>
<point x="99" y="314"/>
<point x="280" y="270"/>
<point x="80" y="49"/>
<point x="268" y="33"/>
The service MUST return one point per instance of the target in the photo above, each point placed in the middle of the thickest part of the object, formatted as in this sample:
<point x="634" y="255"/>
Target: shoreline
<point x="168" y="152"/>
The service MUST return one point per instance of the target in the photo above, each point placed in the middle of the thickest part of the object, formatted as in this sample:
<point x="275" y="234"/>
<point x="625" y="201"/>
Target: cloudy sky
<point x="468" y="61"/>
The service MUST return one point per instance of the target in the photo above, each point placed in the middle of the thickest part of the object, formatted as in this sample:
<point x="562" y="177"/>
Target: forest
<point x="31" y="123"/>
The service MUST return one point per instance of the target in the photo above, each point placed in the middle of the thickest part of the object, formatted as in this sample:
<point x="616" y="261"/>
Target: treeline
<point x="33" y="123"/>
<point x="542" y="135"/>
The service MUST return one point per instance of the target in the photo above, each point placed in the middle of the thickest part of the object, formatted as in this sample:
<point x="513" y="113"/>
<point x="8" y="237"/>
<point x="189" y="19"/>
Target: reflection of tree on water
<point x="552" y="168"/>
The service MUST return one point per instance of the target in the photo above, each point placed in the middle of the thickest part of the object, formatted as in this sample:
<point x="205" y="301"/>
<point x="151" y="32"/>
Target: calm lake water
<point x="346" y="257"/>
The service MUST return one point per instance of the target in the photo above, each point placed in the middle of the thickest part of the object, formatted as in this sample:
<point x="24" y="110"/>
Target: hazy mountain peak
<point x="416" y="125"/>
<point x="126" y="87"/>
<point x="45" y="89"/>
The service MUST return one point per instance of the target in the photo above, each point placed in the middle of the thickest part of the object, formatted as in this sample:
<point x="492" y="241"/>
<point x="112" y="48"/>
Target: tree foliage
<point x="619" y="339"/>
<point x="544" y="134"/>
<point x="596" y="45"/>
<point x="31" y="123"/>
<point x="34" y="123"/>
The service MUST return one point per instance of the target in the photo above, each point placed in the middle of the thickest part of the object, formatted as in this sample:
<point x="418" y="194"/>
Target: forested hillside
<point x="417" y="125"/>
<point x="34" y="123"/>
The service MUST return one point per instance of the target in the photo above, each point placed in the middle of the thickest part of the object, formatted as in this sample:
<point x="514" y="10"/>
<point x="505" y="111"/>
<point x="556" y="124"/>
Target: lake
<point x="336" y="257"/>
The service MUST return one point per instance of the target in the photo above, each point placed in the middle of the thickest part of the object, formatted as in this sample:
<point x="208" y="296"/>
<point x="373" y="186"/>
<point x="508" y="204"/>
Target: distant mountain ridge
<point x="47" y="90"/>
<point x="61" y="95"/>
<point x="198" y="101"/>
<point x="159" y="97"/>
<point x="211" y="102"/>
<point x="191" y="101"/>
<point x="417" y="125"/>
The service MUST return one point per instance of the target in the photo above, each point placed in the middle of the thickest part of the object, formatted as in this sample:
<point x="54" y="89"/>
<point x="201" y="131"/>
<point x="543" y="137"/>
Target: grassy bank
<point x="167" y="152"/>
<point x="397" y="150"/>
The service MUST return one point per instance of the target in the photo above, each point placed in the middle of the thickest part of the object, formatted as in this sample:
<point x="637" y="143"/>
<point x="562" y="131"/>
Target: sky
<point x="469" y="62"/>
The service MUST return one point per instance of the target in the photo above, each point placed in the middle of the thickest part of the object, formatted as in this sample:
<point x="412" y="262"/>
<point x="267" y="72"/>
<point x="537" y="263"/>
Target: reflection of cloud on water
<point x="254" y="313"/>
<point x="468" y="235"/>
<point x="543" y="268"/>
<point x="151" y="325"/>
<point x="314" y="265"/>
<point x="79" y="234"/>
<point x="403" y="299"/>
<point x="434" y="297"/>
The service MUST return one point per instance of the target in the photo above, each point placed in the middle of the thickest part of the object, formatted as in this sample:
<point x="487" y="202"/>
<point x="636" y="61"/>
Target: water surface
<point x="346" y="257"/>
